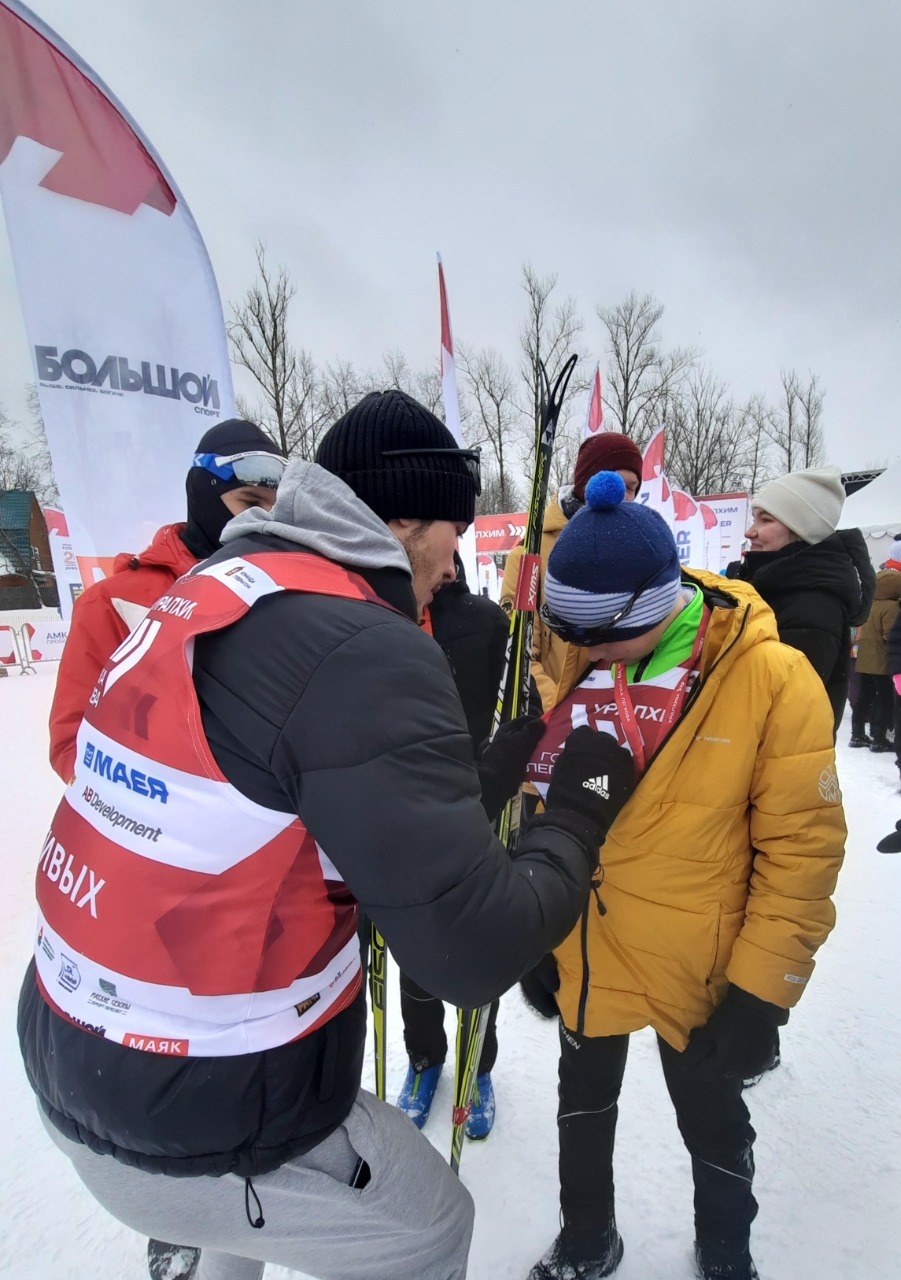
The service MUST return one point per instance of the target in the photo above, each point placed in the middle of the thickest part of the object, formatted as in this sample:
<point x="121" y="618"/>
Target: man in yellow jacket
<point x="606" y="451"/>
<point x="716" y="875"/>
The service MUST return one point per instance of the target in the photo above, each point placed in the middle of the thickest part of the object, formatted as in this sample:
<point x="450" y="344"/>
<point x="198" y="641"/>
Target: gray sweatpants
<point x="414" y="1217"/>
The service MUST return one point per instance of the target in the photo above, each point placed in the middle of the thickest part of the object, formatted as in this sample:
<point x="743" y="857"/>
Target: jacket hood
<point x="320" y="513"/>
<point x="166" y="551"/>
<point x="554" y="517"/>
<point x="856" y="546"/>
<point x="888" y="585"/>
<point x="737" y="613"/>
<point x="825" y="566"/>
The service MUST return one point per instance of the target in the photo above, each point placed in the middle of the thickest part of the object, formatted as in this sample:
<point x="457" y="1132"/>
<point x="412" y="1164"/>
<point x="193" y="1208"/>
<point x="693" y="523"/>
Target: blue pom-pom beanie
<point x="606" y="552"/>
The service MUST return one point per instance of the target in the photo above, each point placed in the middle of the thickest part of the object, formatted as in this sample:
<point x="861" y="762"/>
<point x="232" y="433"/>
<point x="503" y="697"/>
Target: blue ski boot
<point x="481" y="1115"/>
<point x="418" y="1093"/>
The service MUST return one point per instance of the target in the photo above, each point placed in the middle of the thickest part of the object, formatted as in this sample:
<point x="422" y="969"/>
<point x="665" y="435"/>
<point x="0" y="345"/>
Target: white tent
<point x="876" y="510"/>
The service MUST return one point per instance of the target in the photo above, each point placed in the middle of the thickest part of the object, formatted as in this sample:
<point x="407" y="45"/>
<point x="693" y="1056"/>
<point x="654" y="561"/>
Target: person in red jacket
<point x="236" y="466"/>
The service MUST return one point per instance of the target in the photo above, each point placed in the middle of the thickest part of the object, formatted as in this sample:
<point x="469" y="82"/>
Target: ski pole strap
<point x="527" y="583"/>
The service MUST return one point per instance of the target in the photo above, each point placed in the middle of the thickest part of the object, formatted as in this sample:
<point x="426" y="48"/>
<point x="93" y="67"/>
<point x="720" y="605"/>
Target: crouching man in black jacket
<point x="276" y="743"/>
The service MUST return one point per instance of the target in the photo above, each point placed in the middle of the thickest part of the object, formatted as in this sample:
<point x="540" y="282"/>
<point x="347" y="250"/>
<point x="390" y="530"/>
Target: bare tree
<point x="25" y="461"/>
<point x="642" y="379"/>
<point x="423" y="385"/>
<point x="285" y="376"/>
<point x="552" y="332"/>
<point x="755" y="418"/>
<point x="704" y="442"/>
<point x="810" y="428"/>
<point x="341" y="386"/>
<point x="495" y="423"/>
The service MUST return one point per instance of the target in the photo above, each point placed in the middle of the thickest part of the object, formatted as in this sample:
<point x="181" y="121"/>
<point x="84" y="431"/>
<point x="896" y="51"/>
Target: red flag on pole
<point x="595" y="420"/>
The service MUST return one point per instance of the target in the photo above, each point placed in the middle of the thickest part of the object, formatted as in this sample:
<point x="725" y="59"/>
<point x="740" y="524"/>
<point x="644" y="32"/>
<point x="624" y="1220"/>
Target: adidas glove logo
<point x="601" y="785"/>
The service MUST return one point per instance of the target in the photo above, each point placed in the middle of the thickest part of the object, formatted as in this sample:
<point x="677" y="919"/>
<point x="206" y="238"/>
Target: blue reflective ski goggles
<point x="471" y="457"/>
<point x="258" y="467"/>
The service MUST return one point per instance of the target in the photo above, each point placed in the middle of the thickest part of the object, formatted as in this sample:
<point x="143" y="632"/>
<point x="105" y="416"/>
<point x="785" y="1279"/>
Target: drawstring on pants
<point x="249" y="1191"/>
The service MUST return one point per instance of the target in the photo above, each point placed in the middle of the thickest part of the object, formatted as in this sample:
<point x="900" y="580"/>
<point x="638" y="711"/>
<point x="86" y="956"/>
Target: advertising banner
<point x="46" y="640"/>
<point x="733" y="515"/>
<point x="498" y="535"/>
<point x="121" y="307"/>
<point x="65" y="565"/>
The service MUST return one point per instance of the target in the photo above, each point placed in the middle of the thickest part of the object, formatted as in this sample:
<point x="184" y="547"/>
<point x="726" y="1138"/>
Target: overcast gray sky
<point x="740" y="161"/>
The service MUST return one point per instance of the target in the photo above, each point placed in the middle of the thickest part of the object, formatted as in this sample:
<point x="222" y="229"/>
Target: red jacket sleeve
<point x="95" y="631"/>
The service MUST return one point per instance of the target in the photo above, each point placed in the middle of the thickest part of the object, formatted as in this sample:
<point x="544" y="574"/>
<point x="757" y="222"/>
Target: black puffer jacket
<point x="472" y="630"/>
<point x="344" y="713"/>
<point x="817" y="593"/>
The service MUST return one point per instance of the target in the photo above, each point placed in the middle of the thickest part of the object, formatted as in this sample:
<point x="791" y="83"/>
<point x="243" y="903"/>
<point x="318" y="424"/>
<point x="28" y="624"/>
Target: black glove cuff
<point x="587" y="833"/>
<point x="773" y="1013"/>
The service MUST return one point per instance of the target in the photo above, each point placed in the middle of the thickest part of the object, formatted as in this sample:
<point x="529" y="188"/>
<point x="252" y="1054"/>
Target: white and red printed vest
<point x="656" y="704"/>
<point x="176" y="915"/>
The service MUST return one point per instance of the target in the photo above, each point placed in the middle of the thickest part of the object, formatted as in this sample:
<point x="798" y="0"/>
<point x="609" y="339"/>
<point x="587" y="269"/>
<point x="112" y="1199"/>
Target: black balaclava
<point x="207" y="513"/>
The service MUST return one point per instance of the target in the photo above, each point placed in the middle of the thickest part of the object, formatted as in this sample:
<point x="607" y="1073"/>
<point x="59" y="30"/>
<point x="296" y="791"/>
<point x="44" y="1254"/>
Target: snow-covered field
<point x="828" y="1122"/>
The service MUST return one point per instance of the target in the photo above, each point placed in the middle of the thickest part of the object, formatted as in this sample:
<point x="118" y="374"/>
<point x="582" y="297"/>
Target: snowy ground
<point x="828" y="1122"/>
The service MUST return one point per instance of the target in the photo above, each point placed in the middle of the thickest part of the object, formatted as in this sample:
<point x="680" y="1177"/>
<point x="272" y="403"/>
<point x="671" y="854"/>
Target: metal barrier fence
<point x="28" y="638"/>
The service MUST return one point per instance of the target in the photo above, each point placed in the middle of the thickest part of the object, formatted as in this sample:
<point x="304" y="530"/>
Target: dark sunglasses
<point x="471" y="457"/>
<point x="585" y="637"/>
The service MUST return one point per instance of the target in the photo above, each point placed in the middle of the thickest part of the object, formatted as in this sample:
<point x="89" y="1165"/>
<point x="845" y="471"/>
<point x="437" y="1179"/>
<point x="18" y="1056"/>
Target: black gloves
<point x="739" y="1039"/>
<point x="592" y="780"/>
<point x="502" y="764"/>
<point x="539" y="987"/>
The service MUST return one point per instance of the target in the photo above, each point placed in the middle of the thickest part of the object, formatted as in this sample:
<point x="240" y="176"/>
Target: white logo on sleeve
<point x="828" y="786"/>
<point x="600" y="785"/>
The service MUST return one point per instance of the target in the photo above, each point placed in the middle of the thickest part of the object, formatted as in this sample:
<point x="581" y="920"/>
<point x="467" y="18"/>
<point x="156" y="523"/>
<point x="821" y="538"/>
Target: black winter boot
<point x="710" y="1270"/>
<point x="564" y="1262"/>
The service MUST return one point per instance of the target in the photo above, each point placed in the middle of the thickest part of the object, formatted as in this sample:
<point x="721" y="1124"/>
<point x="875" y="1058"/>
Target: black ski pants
<point x="874" y="707"/>
<point x="715" y="1127"/>
<point x="424" y="1034"/>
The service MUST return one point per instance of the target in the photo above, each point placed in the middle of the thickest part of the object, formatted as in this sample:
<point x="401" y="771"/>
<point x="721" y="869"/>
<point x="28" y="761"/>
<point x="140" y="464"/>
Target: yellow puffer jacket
<point x="721" y="866"/>
<point x="554" y="663"/>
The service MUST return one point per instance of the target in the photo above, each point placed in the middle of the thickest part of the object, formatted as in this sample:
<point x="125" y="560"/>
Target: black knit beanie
<point x="207" y="513"/>
<point x="411" y="486"/>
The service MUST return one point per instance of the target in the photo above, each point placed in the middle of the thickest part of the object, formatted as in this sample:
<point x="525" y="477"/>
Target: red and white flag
<point x="449" y="396"/>
<point x="595" y="420"/>
<point x="655" y="489"/>
<point x="120" y="303"/>
<point x="689" y="531"/>
<point x="451" y="401"/>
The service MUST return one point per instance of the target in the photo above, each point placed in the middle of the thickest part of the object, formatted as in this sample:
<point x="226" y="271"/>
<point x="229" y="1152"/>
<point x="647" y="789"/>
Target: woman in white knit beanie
<point x="819" y="583"/>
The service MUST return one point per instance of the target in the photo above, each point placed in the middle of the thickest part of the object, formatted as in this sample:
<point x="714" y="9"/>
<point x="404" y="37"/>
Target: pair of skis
<point x="512" y="701"/>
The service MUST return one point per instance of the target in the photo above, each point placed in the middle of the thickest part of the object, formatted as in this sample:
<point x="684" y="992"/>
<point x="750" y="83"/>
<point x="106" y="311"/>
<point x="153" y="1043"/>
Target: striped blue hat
<point x="608" y="551"/>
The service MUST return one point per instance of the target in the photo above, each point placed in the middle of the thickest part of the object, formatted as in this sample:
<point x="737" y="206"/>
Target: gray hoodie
<point x="319" y="511"/>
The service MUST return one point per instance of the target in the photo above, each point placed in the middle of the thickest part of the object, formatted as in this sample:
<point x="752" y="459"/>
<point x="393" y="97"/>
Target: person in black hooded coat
<point x="819" y="582"/>
<point x="472" y="631"/>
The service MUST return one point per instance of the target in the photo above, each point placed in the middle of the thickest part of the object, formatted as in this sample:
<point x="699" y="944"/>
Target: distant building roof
<point x="854" y="480"/>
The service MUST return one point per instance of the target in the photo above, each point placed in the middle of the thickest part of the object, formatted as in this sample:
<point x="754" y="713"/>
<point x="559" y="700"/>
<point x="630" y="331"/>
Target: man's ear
<point x="399" y="527"/>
